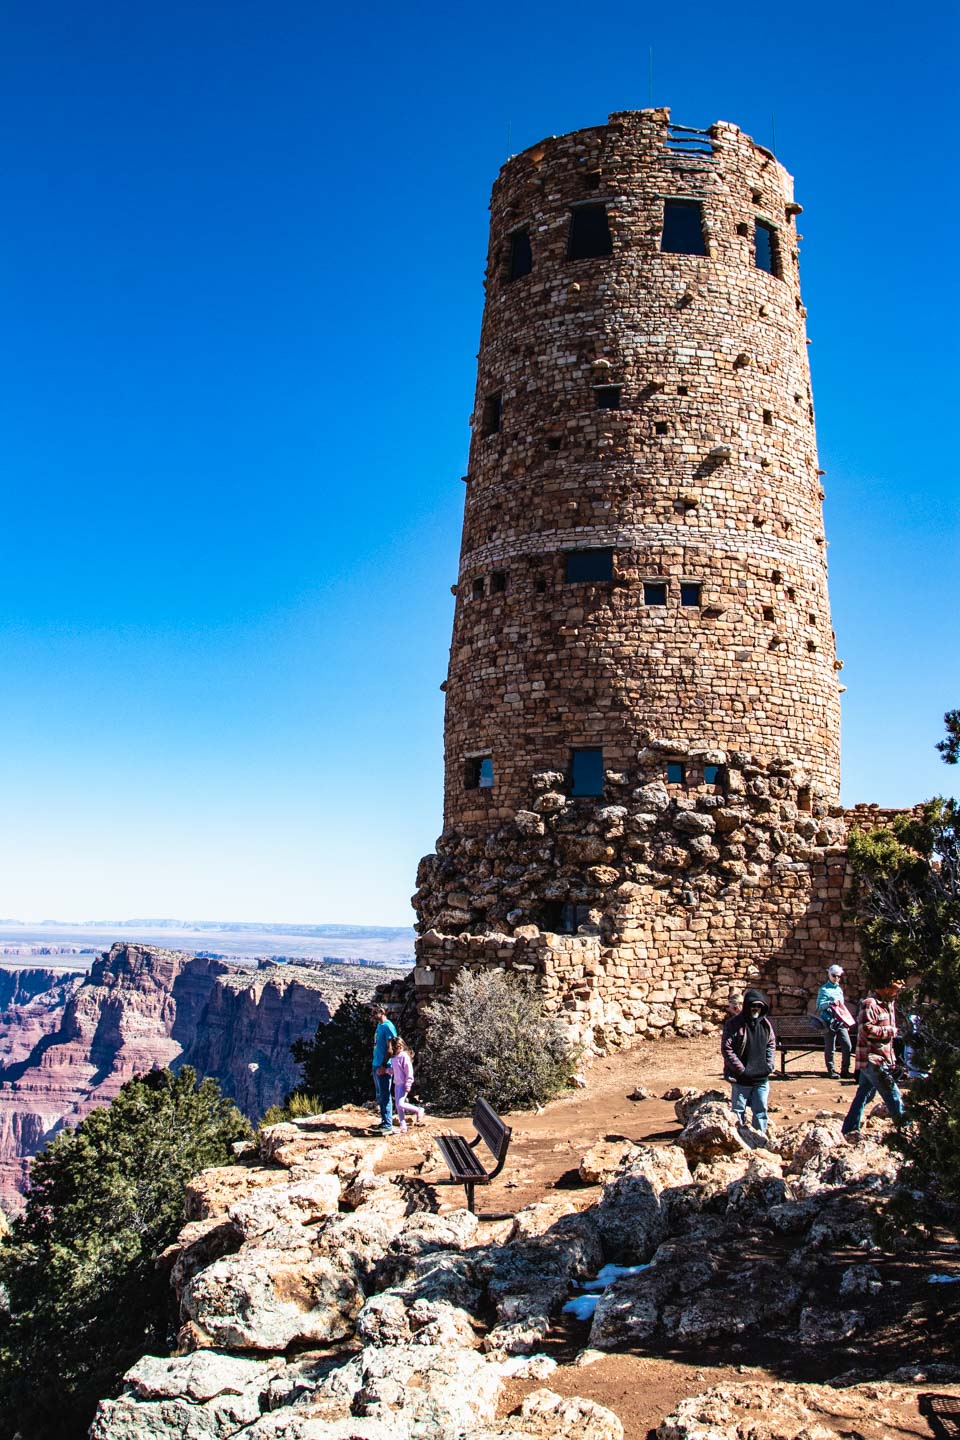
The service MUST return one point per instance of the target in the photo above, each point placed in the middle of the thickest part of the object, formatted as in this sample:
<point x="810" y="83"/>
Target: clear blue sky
<point x="240" y="286"/>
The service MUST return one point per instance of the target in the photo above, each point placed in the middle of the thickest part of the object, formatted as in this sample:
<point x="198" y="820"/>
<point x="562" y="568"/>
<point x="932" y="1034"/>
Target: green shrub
<point x="489" y="1036"/>
<point x="294" y="1107"/>
<point x="336" y="1064"/>
<point x="83" y="1295"/>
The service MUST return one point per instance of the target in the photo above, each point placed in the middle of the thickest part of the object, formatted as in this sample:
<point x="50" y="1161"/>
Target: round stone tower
<point x="642" y="598"/>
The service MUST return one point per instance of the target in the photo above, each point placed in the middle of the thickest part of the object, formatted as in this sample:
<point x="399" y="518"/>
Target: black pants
<point x="831" y="1040"/>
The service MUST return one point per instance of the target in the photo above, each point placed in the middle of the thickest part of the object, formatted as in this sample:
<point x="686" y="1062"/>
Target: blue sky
<point x="240" y="274"/>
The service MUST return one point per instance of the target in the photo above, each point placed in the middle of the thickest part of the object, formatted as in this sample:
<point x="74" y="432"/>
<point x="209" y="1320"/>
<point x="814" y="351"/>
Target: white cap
<point x="835" y="970"/>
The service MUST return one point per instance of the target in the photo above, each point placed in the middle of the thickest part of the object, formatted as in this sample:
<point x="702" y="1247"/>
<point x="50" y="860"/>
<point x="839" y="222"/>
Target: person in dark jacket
<point x="748" y="1046"/>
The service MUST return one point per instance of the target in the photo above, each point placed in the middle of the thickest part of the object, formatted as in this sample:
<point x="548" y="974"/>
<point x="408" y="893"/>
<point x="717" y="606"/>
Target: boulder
<point x="189" y="1397"/>
<point x="603" y="1160"/>
<point x="211" y="1193"/>
<point x="689" y="1100"/>
<point x="789" y="1412"/>
<point x="712" y="1130"/>
<point x="266" y="1299"/>
<point x="286" y="1208"/>
<point x="549" y="1416"/>
<point x="633" y="1212"/>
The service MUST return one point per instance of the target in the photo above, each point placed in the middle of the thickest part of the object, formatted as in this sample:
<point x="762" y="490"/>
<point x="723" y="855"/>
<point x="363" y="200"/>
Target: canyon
<point x="69" y="1040"/>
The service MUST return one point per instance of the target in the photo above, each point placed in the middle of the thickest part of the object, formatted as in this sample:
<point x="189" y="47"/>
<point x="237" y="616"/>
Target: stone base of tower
<point x="675" y="898"/>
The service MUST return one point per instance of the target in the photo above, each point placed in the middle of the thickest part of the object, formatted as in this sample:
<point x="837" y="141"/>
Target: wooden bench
<point x="461" y="1157"/>
<point x="795" y="1034"/>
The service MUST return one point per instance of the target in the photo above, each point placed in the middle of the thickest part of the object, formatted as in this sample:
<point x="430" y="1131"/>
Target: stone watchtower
<point x="642" y="718"/>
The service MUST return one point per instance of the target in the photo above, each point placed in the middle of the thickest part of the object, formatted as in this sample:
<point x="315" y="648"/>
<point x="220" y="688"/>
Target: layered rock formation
<point x="317" y="1302"/>
<point x="70" y="1046"/>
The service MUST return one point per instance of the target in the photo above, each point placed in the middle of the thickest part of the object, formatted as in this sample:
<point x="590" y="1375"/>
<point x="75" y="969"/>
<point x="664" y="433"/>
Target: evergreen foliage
<point x="907" y="887"/>
<point x="337" y="1063"/>
<point x="83" y="1297"/>
<point x="950" y="747"/>
<point x="489" y="1036"/>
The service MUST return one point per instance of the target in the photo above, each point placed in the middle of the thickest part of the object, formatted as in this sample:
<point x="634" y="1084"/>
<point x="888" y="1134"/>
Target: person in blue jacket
<point x="385" y="1032"/>
<point x="830" y="1007"/>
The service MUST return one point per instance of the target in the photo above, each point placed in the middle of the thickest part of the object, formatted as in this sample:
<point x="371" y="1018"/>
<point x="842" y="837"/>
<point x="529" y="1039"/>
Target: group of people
<point x="749" y="1045"/>
<point x="393" y="1076"/>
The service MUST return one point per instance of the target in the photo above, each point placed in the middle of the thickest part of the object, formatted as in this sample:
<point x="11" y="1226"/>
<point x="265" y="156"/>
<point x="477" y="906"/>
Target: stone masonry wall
<point x="707" y="473"/>
<point x="640" y="907"/>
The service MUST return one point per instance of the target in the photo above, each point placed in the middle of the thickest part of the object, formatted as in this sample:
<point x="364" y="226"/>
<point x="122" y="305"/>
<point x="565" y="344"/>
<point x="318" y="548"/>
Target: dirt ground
<point x="545" y="1151"/>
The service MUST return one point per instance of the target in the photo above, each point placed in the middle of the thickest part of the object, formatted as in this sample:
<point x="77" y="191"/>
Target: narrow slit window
<point x="479" y="589"/>
<point x="607" y="397"/>
<point x="711" y="774"/>
<point x="583" y="566"/>
<point x="768" y="612"/>
<point x="768" y="417"/>
<point x="804" y="800"/>
<point x="690" y="593"/>
<point x="492" y="414"/>
<point x="661" y="428"/>
<point x="676" y="772"/>
<point x="498" y="582"/>
<point x="683" y="228"/>
<point x="520" y="261"/>
<point x="586" y="772"/>
<point x="540" y="585"/>
<point x="589" y="233"/>
<point x="478" y="773"/>
<point x="766" y="255"/>
<point x="655" y="592"/>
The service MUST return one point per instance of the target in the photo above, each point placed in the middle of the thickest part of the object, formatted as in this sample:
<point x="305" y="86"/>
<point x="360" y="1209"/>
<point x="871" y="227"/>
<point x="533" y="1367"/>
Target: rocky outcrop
<point x="789" y="1412"/>
<point x="68" y="1042"/>
<point x="317" y="1302"/>
<point x="314" y="1247"/>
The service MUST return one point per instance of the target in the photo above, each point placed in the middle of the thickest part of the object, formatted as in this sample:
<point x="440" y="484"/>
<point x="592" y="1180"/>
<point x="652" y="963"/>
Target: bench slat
<point x="460" y="1159"/>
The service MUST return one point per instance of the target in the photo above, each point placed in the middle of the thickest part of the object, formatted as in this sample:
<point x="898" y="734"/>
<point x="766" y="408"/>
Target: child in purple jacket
<point x="401" y="1067"/>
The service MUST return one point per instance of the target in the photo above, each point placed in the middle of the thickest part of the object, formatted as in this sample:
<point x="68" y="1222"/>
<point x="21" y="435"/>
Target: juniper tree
<point x="83" y="1297"/>
<point x="907" y="897"/>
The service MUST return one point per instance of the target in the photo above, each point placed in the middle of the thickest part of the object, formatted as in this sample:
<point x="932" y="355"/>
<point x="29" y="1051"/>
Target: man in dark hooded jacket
<point x="749" y="1046"/>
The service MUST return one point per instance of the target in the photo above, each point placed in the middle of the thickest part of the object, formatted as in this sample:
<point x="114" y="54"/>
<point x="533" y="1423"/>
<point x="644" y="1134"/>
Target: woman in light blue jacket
<point x="830" y="1009"/>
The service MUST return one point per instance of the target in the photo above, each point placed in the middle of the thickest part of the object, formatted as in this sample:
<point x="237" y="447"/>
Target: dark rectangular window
<point x="498" y="582"/>
<point x="690" y="592"/>
<point x="583" y="566"/>
<point x="766" y="254"/>
<point x="655" y="592"/>
<point x="492" y="413"/>
<point x="710" y="774"/>
<point x="676" y="772"/>
<point x="479" y="589"/>
<point x="562" y="917"/>
<point x="521" y="255"/>
<point x="478" y="773"/>
<point x="683" y="228"/>
<point x="589" y="233"/>
<point x="661" y="427"/>
<point x="586" y="772"/>
<point x="607" y="397"/>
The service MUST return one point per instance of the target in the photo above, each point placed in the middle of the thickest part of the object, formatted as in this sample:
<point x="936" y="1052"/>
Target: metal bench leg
<point x="468" y="1186"/>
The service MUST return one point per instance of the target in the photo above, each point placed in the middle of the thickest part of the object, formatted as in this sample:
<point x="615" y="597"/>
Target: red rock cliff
<point x="71" y="1045"/>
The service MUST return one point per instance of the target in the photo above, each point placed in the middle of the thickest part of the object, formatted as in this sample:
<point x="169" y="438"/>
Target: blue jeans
<point x="872" y="1079"/>
<point x="381" y="1084"/>
<point x="756" y="1097"/>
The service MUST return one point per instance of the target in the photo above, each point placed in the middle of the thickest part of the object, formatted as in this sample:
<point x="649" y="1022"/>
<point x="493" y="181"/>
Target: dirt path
<point x="545" y="1152"/>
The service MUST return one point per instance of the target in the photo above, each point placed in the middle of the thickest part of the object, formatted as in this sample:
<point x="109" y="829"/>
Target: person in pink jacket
<point x="401" y="1067"/>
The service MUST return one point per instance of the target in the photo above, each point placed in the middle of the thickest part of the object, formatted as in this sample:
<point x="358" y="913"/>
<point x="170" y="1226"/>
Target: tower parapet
<point x="642" y="708"/>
